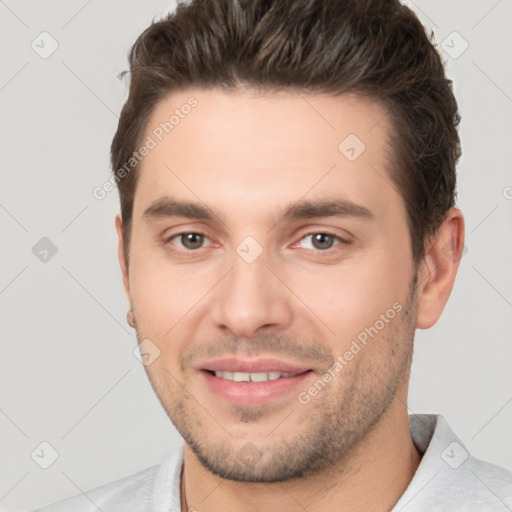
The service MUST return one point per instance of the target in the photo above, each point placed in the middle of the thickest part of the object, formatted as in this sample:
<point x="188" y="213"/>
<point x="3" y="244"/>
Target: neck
<point x="372" y="477"/>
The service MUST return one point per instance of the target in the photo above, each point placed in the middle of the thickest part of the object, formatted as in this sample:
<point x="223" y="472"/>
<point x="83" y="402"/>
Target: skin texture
<point x="246" y="156"/>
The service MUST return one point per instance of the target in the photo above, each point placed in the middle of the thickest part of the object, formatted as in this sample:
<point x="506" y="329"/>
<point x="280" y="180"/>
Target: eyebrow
<point x="167" y="207"/>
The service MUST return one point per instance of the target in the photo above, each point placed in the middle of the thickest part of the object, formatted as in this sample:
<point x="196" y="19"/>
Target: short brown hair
<point x="373" y="48"/>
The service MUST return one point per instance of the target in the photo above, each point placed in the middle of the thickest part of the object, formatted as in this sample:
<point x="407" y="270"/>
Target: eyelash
<point x="340" y="240"/>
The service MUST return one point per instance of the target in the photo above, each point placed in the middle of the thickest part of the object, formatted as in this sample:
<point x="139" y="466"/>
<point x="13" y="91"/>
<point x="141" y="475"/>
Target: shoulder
<point x="449" y="477"/>
<point x="488" y="483"/>
<point x="136" y="493"/>
<point x="112" y="497"/>
<point x="473" y="487"/>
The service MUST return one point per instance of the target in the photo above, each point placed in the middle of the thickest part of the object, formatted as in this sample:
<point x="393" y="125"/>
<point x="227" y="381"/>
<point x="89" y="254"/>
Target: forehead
<point x="244" y="149"/>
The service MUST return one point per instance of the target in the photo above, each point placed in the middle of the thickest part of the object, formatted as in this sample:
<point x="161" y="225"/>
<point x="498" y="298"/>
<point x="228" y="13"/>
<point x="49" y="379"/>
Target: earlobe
<point x="120" y="254"/>
<point x="438" y="269"/>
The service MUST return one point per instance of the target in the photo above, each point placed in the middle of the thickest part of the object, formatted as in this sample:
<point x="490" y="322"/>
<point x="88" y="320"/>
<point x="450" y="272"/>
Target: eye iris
<point x="192" y="240"/>
<point x="322" y="241"/>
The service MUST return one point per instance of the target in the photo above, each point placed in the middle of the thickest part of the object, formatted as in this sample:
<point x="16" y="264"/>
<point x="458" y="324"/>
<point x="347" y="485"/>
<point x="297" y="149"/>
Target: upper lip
<point x="251" y="365"/>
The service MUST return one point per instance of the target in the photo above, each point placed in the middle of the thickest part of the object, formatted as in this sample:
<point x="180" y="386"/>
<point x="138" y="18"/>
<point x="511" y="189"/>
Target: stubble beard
<point x="328" y="429"/>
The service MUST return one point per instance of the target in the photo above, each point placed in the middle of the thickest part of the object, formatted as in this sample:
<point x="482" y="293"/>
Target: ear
<point x="438" y="269"/>
<point x="120" y="254"/>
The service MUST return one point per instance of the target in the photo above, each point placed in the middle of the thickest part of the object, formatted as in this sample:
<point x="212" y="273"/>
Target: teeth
<point x="252" y="377"/>
<point x="241" y="377"/>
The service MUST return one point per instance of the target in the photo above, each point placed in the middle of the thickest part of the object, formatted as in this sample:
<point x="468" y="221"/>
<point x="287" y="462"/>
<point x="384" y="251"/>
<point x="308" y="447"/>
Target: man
<point x="287" y="181"/>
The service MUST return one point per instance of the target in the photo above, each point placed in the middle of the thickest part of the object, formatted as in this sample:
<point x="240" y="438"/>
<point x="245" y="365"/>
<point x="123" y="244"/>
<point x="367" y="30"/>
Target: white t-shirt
<point x="447" y="479"/>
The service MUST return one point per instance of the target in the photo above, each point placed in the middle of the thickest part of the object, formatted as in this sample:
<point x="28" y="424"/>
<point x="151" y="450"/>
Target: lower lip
<point x="253" y="393"/>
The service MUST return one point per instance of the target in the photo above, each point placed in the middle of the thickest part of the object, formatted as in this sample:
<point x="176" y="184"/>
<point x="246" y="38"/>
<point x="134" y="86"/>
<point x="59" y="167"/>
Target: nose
<point x="251" y="299"/>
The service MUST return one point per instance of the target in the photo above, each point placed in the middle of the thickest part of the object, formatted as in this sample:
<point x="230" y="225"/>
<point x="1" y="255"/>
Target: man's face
<point x="251" y="289"/>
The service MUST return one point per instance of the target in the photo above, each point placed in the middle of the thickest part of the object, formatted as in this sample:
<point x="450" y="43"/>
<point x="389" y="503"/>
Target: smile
<point x="253" y="377"/>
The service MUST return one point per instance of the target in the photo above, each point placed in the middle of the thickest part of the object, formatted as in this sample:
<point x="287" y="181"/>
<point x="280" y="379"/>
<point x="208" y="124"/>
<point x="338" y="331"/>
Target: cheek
<point x="165" y="295"/>
<point x="350" y="297"/>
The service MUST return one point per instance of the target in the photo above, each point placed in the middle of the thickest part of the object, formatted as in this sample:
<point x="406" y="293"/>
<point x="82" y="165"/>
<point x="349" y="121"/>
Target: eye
<point x="322" y="241"/>
<point x="189" y="241"/>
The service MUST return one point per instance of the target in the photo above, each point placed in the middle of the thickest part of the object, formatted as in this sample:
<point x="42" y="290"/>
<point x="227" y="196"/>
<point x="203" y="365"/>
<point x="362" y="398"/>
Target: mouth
<point x="252" y="382"/>
<point x="252" y="377"/>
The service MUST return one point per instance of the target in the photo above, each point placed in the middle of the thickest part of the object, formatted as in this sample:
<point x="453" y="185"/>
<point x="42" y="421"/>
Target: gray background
<point x="68" y="374"/>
